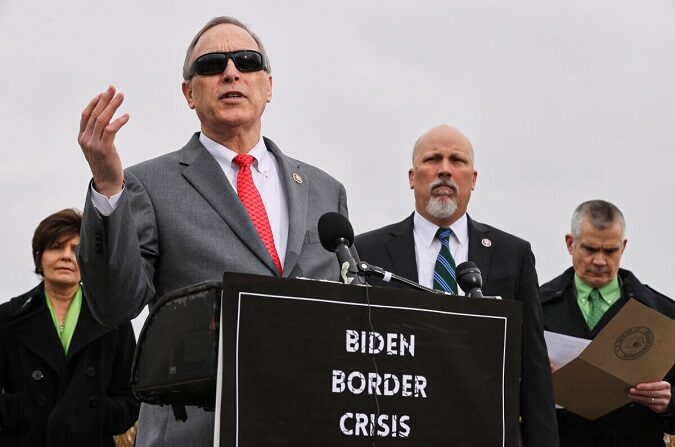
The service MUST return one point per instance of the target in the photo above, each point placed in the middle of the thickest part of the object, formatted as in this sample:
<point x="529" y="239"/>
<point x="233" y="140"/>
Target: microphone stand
<point x="366" y="269"/>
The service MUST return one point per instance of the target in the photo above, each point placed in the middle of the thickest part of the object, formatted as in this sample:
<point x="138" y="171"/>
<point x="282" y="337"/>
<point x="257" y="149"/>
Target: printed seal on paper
<point x="634" y="343"/>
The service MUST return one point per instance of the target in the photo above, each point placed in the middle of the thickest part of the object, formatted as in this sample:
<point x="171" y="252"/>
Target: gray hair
<point x="222" y="20"/>
<point x="600" y="214"/>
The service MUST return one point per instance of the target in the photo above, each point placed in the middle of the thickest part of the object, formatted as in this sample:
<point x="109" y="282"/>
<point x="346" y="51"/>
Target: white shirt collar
<point x="225" y="155"/>
<point x="427" y="230"/>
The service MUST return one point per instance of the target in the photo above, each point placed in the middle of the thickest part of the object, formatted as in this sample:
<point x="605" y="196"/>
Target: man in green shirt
<point x="580" y="302"/>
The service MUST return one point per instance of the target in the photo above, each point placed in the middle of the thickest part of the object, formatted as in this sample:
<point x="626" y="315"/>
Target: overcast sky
<point x="563" y="100"/>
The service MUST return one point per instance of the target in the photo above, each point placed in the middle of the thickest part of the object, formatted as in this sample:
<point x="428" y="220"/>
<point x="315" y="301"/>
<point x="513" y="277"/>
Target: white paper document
<point x="562" y="349"/>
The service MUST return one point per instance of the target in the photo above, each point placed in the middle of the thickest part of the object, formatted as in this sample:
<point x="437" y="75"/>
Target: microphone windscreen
<point x="468" y="276"/>
<point x="334" y="226"/>
<point x="464" y="266"/>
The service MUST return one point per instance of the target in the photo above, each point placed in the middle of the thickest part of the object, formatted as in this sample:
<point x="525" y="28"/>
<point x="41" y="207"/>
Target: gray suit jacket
<point x="180" y="222"/>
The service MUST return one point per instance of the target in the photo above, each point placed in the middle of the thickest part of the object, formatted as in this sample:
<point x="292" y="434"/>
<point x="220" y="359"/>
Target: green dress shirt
<point x="609" y="294"/>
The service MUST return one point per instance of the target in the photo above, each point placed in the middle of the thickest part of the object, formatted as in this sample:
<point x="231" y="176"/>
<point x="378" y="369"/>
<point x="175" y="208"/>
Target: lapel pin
<point x="297" y="178"/>
<point x="486" y="242"/>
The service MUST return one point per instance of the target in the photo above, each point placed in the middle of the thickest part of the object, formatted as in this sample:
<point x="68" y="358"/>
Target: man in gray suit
<point x="190" y="215"/>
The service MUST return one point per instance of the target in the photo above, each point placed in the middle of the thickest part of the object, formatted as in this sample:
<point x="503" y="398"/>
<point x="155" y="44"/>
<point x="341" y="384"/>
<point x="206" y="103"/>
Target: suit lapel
<point x="563" y="315"/>
<point x="297" y="198"/>
<point x="401" y="249"/>
<point x="34" y="328"/>
<point x="205" y="175"/>
<point x="480" y="247"/>
<point x="86" y="331"/>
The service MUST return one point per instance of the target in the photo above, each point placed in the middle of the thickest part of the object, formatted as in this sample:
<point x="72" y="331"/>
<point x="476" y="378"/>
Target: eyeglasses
<point x="246" y="61"/>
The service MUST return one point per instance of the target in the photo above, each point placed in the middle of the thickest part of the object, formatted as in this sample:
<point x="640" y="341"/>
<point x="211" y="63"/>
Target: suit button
<point x="40" y="401"/>
<point x="98" y="241"/>
<point x="94" y="402"/>
<point x="91" y="371"/>
<point x="37" y="375"/>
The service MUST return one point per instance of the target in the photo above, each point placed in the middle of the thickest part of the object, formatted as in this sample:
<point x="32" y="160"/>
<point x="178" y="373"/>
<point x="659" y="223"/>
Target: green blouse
<point x="67" y="329"/>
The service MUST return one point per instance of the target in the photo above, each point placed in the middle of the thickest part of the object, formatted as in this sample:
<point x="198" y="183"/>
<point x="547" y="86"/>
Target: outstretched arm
<point x="116" y="272"/>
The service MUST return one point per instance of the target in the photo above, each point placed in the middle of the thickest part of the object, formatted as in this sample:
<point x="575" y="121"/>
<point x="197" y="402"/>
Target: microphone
<point x="469" y="279"/>
<point x="337" y="235"/>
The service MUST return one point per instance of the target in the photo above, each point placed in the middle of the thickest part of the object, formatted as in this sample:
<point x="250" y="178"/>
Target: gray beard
<point x="441" y="207"/>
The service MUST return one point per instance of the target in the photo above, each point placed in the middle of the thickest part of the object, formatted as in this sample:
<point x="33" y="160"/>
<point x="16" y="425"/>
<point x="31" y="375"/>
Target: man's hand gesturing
<point x="97" y="140"/>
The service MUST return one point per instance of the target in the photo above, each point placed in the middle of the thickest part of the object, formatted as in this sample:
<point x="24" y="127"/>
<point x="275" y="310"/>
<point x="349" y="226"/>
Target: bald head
<point x="442" y="175"/>
<point x="442" y="133"/>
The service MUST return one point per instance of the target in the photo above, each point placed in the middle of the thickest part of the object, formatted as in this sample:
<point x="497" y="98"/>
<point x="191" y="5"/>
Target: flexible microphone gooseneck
<point x="386" y="276"/>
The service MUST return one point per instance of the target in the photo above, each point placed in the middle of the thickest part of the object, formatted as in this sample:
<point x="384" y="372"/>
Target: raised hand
<point x="97" y="140"/>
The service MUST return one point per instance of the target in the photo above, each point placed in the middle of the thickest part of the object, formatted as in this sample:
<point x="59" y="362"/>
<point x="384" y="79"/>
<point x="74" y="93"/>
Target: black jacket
<point x="507" y="266"/>
<point x="48" y="398"/>
<point x="632" y="424"/>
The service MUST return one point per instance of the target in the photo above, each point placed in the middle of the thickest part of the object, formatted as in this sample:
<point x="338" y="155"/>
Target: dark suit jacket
<point x="507" y="267"/>
<point x="50" y="398"/>
<point x="632" y="424"/>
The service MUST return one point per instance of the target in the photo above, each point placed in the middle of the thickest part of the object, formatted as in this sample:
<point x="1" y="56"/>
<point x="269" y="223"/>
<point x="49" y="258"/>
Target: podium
<point x="308" y="363"/>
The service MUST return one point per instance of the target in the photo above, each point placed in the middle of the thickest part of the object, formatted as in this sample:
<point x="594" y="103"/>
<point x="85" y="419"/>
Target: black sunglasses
<point x="246" y="61"/>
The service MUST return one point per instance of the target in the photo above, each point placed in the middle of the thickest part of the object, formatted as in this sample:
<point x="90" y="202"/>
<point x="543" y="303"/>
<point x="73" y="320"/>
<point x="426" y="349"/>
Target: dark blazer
<point x="507" y="266"/>
<point x="48" y="398"/>
<point x="632" y="424"/>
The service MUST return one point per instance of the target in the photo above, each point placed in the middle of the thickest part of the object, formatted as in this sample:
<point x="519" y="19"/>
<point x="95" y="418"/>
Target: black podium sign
<point x="308" y="363"/>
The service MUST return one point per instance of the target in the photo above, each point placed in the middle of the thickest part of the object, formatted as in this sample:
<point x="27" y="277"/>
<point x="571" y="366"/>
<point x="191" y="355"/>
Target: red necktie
<point x="250" y="198"/>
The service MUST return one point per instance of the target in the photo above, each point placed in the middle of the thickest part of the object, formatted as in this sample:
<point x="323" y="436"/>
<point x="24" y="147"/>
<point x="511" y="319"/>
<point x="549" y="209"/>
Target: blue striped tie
<point x="444" y="272"/>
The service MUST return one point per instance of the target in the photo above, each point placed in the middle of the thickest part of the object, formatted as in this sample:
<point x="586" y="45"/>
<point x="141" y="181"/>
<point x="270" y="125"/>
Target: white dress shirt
<point x="427" y="247"/>
<point x="265" y="173"/>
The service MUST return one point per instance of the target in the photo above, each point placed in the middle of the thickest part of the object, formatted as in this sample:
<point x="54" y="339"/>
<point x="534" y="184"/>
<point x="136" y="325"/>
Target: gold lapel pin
<point x="486" y="242"/>
<point x="297" y="178"/>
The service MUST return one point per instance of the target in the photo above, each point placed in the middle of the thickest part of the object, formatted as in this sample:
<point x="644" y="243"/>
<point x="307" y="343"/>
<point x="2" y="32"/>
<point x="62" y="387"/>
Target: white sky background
<point x="563" y="100"/>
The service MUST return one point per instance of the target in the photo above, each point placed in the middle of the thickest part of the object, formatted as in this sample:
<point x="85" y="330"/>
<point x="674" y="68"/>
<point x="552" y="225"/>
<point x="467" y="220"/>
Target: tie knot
<point x="443" y="234"/>
<point x="244" y="160"/>
<point x="595" y="295"/>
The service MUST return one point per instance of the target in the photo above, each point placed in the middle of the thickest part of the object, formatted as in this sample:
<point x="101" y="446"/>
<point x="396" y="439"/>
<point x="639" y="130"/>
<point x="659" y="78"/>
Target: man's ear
<point x="186" y="86"/>
<point x="269" y="88"/>
<point x="411" y="178"/>
<point x="569" y="241"/>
